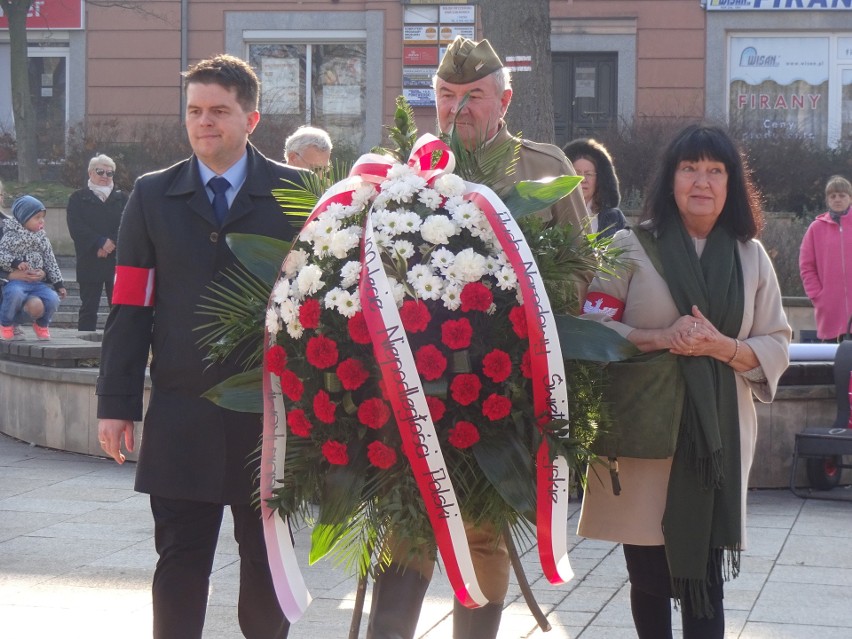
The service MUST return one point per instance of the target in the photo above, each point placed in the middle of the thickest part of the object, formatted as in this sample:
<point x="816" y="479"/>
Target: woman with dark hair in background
<point x="593" y="163"/>
<point x="698" y="285"/>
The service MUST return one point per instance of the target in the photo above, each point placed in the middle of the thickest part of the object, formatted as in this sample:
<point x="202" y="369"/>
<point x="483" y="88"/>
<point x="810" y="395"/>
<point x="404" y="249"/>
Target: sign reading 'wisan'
<point x="778" y="5"/>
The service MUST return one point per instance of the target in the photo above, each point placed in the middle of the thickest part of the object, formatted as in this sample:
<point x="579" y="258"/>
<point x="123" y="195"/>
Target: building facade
<point x="763" y="65"/>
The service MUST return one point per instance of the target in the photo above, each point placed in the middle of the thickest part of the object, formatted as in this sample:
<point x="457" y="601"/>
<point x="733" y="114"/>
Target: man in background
<point x="308" y="148"/>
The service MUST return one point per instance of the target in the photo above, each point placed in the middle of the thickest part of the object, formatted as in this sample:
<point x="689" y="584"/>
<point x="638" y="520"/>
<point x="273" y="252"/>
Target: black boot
<point x="476" y="623"/>
<point x="397" y="598"/>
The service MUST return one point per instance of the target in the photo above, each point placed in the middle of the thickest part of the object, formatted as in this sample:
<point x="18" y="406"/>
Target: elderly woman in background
<point x="593" y="163"/>
<point x="94" y="214"/>
<point x="700" y="286"/>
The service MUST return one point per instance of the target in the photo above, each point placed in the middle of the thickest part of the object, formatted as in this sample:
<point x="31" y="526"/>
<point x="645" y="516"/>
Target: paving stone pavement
<point x="77" y="555"/>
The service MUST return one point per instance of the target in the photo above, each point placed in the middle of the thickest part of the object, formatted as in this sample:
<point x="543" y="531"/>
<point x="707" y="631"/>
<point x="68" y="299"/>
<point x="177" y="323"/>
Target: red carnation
<point x="373" y="413"/>
<point x="358" y="331"/>
<point x="496" y="407"/>
<point x="437" y="407"/>
<point x="276" y="359"/>
<point x="309" y="313"/>
<point x="430" y="362"/>
<point x="321" y="352"/>
<point x="497" y="365"/>
<point x="291" y="385"/>
<point x="381" y="456"/>
<point x="352" y="373"/>
<point x="526" y="365"/>
<point x="335" y="452"/>
<point x="463" y="435"/>
<point x="324" y="408"/>
<point x="415" y="316"/>
<point x="456" y="334"/>
<point x="518" y="317"/>
<point x="465" y="388"/>
<point x="299" y="424"/>
<point x="475" y="296"/>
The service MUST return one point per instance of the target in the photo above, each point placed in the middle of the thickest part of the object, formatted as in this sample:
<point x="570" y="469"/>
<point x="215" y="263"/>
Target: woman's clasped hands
<point x="694" y="335"/>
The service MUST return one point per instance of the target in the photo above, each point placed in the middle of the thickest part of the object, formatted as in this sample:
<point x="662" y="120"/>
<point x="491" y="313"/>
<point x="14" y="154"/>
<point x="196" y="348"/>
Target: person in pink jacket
<point x="825" y="262"/>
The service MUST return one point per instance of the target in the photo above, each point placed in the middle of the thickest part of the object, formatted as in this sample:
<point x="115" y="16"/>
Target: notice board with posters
<point x="428" y="28"/>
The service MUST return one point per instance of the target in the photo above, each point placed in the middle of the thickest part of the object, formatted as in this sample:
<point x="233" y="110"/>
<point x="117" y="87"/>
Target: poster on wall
<point x="280" y="81"/>
<point x="779" y="85"/>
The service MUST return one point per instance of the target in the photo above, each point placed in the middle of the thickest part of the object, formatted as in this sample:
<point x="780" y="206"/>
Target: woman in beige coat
<point x="698" y="285"/>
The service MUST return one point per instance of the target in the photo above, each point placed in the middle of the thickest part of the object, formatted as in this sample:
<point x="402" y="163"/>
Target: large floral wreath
<point x="413" y="376"/>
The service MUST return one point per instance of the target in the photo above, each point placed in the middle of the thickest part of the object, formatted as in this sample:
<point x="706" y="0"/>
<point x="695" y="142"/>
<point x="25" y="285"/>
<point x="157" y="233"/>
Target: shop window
<point x="323" y="85"/>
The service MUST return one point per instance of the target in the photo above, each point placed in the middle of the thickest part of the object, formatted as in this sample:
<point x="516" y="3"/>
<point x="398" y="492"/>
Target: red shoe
<point x="7" y="333"/>
<point x="42" y="332"/>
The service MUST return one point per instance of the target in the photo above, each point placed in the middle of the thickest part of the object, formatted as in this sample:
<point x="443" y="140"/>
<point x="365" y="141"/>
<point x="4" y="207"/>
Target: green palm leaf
<point x="242" y="392"/>
<point x="530" y="196"/>
<point x="260" y="254"/>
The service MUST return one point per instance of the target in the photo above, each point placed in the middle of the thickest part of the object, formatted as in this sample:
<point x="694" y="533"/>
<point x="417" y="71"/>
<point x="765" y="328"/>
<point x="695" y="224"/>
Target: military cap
<point x="467" y="61"/>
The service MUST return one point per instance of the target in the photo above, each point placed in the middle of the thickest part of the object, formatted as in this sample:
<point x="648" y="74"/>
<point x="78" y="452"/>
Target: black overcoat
<point x="191" y="449"/>
<point x="90" y="222"/>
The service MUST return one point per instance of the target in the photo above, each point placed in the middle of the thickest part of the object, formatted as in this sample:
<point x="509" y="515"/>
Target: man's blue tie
<point x="220" y="201"/>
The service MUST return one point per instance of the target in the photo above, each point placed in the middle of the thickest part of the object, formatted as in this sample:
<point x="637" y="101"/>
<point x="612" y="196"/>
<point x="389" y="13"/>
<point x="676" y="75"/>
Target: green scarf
<point x="704" y="493"/>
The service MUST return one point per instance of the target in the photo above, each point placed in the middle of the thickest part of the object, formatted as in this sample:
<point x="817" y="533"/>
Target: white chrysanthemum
<point x="397" y="289"/>
<point x="399" y="171"/>
<point x="404" y="249"/>
<point x="336" y="211"/>
<point x="384" y="240"/>
<point x="343" y="242"/>
<point x="348" y="304"/>
<point x="418" y="272"/>
<point x="327" y="224"/>
<point x="332" y="298"/>
<point x="442" y="258"/>
<point x="506" y="278"/>
<point x="273" y="322"/>
<point x="294" y="262"/>
<point x="430" y="198"/>
<point x="281" y="290"/>
<point x="295" y="329"/>
<point x="308" y="231"/>
<point x="453" y="202"/>
<point x="390" y="222"/>
<point x="467" y="215"/>
<point x="381" y="200"/>
<point x="451" y="296"/>
<point x="349" y="274"/>
<point x="362" y="196"/>
<point x="469" y="265"/>
<point x="429" y="288"/>
<point x="449" y="185"/>
<point x="438" y="229"/>
<point x="410" y="221"/>
<point x="485" y="233"/>
<point x="322" y="244"/>
<point x="288" y="311"/>
<point x="399" y="190"/>
<point x="309" y="280"/>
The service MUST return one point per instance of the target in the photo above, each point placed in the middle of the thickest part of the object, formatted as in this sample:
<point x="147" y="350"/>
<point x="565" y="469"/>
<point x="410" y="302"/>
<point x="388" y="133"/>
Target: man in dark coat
<point x="194" y="455"/>
<point x="93" y="215"/>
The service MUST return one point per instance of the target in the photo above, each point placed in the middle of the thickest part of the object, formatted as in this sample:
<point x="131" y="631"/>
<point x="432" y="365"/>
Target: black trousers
<point x="185" y="534"/>
<point x="650" y="598"/>
<point x="90" y="298"/>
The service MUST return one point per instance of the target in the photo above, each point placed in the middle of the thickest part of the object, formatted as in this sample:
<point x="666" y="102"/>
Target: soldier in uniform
<point x="472" y="95"/>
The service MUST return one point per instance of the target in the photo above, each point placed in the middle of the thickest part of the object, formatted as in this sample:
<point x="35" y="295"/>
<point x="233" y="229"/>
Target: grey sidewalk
<point x="76" y="558"/>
